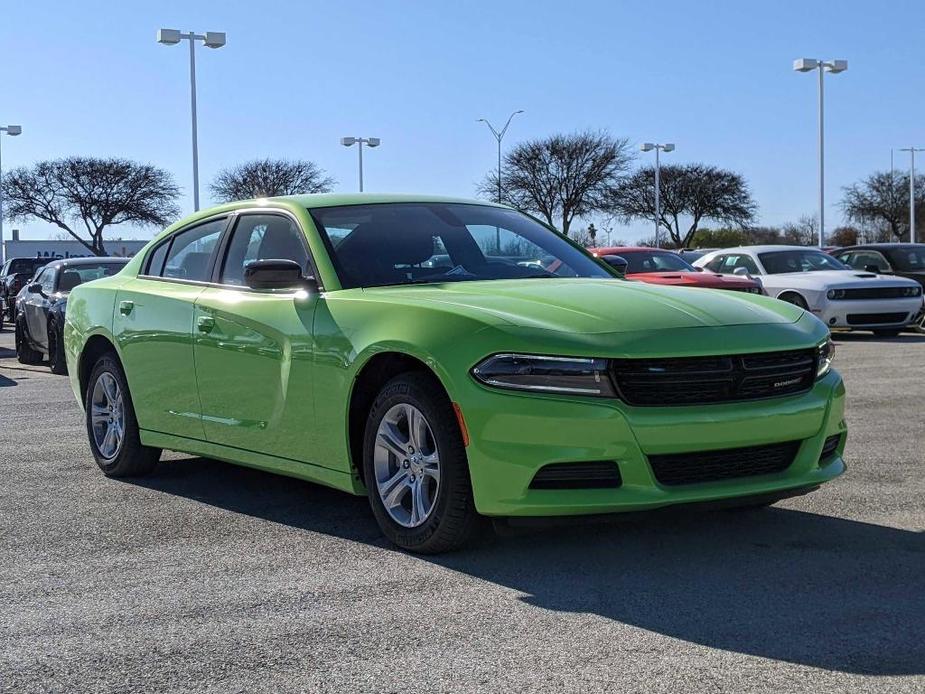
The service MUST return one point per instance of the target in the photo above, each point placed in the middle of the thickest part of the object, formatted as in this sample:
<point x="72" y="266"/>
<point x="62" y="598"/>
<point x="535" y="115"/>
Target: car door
<point x="35" y="307"/>
<point x="253" y="349"/>
<point x="153" y="323"/>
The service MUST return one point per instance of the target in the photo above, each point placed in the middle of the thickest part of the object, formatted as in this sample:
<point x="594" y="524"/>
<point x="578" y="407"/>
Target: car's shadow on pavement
<point x="904" y="338"/>
<point x="820" y="591"/>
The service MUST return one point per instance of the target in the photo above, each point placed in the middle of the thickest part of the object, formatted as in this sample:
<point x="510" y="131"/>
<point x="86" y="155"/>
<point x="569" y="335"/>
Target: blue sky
<point x="714" y="77"/>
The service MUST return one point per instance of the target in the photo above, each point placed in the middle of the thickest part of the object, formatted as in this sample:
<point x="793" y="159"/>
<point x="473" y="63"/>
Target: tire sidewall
<point x="130" y="440"/>
<point x="55" y="349"/>
<point x="412" y="390"/>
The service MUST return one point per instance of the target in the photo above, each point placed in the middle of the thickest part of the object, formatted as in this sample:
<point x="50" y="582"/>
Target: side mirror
<point x="35" y="288"/>
<point x="741" y="271"/>
<point x="617" y="262"/>
<point x="277" y="274"/>
<point x="698" y="269"/>
<point x="872" y="268"/>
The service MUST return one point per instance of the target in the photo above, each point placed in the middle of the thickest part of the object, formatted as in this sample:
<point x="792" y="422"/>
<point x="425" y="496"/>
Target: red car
<point x="657" y="266"/>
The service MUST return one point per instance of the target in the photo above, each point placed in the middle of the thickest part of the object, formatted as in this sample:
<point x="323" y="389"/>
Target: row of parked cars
<point x="875" y="287"/>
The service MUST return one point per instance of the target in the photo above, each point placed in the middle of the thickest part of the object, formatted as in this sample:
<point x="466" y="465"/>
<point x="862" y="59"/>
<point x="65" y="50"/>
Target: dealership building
<point x="53" y="249"/>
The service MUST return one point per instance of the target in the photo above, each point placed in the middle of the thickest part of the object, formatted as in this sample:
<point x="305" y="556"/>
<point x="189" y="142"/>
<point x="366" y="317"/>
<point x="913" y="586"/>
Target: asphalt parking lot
<point x="209" y="577"/>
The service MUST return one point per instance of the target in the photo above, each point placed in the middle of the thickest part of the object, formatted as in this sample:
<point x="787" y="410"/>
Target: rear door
<point x="153" y="323"/>
<point x="35" y="307"/>
<point x="253" y="348"/>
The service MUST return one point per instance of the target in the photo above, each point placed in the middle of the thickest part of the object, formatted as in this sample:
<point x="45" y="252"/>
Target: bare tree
<point x="561" y="177"/>
<point x="693" y="192"/>
<point x="881" y="202"/>
<point x="266" y="178"/>
<point x="97" y="193"/>
<point x="803" y="232"/>
<point x="844" y="236"/>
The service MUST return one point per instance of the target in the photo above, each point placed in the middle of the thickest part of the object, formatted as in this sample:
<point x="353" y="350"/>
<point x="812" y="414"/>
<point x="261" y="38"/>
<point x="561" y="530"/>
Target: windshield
<point x="655" y="261"/>
<point x="424" y="243"/>
<point x="910" y="259"/>
<point x="799" y="260"/>
<point x="17" y="265"/>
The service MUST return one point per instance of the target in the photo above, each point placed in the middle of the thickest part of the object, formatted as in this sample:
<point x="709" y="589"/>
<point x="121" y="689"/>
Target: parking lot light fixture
<point x="912" y="151"/>
<point x="499" y="135"/>
<point x="211" y="39"/>
<point x="648" y="147"/>
<point x="7" y="130"/>
<point x="821" y="66"/>
<point x="360" y="141"/>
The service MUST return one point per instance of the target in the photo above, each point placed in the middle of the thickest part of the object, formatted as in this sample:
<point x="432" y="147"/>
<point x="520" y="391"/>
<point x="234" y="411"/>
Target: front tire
<point x="56" y="360"/>
<point x="111" y="424"/>
<point x="795" y="299"/>
<point x="415" y="468"/>
<point x="24" y="353"/>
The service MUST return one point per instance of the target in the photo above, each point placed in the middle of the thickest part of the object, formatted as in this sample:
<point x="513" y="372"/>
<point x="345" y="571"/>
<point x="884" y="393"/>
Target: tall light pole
<point x="9" y="130"/>
<point x="211" y="39"/>
<point x="822" y="66"/>
<point x="499" y="135"/>
<point x="360" y="141"/>
<point x="648" y="147"/>
<point x="912" y="151"/>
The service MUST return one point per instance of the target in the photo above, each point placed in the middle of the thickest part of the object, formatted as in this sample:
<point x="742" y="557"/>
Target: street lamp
<point x="822" y="66"/>
<point x="648" y="147"/>
<point x="499" y="135"/>
<point x="912" y="151"/>
<point x="9" y="130"/>
<point x="360" y="141"/>
<point x="211" y="39"/>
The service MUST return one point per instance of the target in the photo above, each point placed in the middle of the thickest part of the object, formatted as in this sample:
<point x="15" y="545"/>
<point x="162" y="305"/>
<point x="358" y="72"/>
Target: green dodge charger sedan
<point x="454" y="360"/>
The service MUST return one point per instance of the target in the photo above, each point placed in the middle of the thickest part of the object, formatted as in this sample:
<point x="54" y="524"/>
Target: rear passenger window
<point x="190" y="251"/>
<point x="156" y="259"/>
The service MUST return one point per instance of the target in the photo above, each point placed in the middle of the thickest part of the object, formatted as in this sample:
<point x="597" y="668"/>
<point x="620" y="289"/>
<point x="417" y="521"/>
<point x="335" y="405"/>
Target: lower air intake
<point x="598" y="475"/>
<point x="726" y="464"/>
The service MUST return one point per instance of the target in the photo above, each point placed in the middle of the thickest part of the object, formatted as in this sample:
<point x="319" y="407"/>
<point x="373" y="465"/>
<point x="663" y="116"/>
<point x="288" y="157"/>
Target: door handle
<point x="125" y="307"/>
<point x="205" y="324"/>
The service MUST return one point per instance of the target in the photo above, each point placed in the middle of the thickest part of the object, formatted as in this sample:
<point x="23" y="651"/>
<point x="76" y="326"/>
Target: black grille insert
<point x="876" y="318"/>
<point x="874" y="293"/>
<point x="705" y="380"/>
<point x="594" y="475"/>
<point x="728" y="463"/>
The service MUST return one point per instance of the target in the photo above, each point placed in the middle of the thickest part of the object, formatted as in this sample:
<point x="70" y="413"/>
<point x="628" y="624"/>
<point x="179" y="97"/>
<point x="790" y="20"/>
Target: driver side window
<point x="263" y="237"/>
<point x="715" y="264"/>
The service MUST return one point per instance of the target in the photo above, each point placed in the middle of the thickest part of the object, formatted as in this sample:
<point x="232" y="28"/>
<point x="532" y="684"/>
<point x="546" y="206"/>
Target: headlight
<point x="836" y="294"/>
<point x="541" y="374"/>
<point x="912" y="291"/>
<point x="825" y="353"/>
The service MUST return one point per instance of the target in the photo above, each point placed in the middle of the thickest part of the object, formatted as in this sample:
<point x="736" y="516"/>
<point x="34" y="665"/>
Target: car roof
<point x="766" y="249"/>
<point x="336" y="199"/>
<point x="67" y="262"/>
<point x="623" y="249"/>
<point x="898" y="244"/>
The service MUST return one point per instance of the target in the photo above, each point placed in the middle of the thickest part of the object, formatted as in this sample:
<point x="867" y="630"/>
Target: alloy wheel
<point x="107" y="415"/>
<point x="407" y="465"/>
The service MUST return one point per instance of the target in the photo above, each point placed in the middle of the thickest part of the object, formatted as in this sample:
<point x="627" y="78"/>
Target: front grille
<point x="730" y="463"/>
<point x="876" y="318"/>
<point x="594" y="475"/>
<point x="705" y="380"/>
<point x="874" y="293"/>
<point x="829" y="448"/>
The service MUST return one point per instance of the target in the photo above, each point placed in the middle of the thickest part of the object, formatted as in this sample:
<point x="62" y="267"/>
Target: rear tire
<point x="111" y="425"/>
<point x="24" y="353"/>
<point x="429" y="464"/>
<point x="56" y="360"/>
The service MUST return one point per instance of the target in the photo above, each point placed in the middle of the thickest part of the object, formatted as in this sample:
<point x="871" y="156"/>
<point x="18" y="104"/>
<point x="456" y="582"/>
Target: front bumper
<point x="514" y="435"/>
<point x="837" y="314"/>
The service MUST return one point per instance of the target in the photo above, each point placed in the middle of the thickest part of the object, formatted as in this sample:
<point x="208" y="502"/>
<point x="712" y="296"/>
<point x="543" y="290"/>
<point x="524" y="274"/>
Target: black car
<point x="900" y="259"/>
<point x="40" y="307"/>
<point x="14" y="274"/>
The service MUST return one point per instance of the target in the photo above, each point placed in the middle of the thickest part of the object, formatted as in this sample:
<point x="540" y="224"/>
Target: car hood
<point x="594" y="305"/>
<point x="833" y="278"/>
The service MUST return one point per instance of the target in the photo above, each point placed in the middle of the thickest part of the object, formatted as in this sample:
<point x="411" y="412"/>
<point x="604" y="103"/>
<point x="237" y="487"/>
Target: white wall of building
<point x="67" y="249"/>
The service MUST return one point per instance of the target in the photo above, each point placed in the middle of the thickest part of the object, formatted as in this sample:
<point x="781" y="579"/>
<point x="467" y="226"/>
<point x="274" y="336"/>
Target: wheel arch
<point x="791" y="292"/>
<point x="379" y="369"/>
<point x="96" y="346"/>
